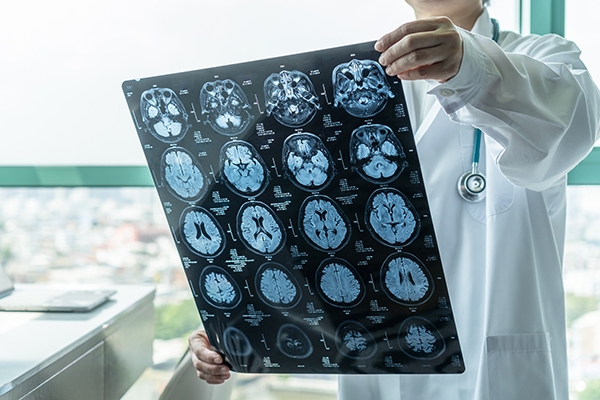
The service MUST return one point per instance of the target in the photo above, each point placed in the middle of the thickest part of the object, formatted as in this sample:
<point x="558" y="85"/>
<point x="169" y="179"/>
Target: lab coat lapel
<point x="419" y="131"/>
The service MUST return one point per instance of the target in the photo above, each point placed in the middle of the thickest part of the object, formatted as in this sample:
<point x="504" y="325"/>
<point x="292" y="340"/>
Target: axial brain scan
<point x="323" y="223"/>
<point x="339" y="284"/>
<point x="164" y="114"/>
<point x="276" y="286"/>
<point x="201" y="232"/>
<point x="244" y="170"/>
<point x="183" y="175"/>
<point x="406" y="280"/>
<point x="307" y="162"/>
<point x="361" y="88"/>
<point x="391" y="218"/>
<point x="218" y="288"/>
<point x="419" y="339"/>
<point x="354" y="340"/>
<point x="260" y="229"/>
<point x="236" y="342"/>
<point x="226" y="107"/>
<point x="376" y="153"/>
<point x="291" y="98"/>
<point x="293" y="342"/>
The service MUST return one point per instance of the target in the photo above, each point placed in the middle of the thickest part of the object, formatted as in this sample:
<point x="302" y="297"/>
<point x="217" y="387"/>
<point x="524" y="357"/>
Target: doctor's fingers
<point x="425" y="55"/>
<point x="209" y="372"/>
<point x="409" y="28"/>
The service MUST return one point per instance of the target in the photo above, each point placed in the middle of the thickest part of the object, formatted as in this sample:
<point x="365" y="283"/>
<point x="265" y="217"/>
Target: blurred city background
<point x="107" y="236"/>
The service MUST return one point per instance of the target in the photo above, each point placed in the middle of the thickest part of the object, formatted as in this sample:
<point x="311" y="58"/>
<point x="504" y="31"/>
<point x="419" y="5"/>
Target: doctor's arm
<point x="534" y="97"/>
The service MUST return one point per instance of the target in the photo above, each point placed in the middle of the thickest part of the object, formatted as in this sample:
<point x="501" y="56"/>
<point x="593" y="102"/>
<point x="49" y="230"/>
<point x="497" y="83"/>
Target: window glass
<point x="582" y="287"/>
<point x="64" y="61"/>
<point x="580" y="18"/>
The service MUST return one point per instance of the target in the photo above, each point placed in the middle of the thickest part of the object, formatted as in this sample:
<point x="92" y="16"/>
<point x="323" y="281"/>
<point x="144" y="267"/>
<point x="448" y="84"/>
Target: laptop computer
<point x="48" y="299"/>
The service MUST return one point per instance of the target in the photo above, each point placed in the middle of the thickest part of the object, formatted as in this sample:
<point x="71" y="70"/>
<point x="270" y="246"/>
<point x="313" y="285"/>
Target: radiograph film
<point x="361" y="88"/>
<point x="163" y="114"/>
<point x="307" y="162"/>
<point x="323" y="223"/>
<point x="391" y="218"/>
<point x="182" y="174"/>
<point x="236" y="342"/>
<point x="339" y="283"/>
<point x="419" y="339"/>
<point x="405" y="279"/>
<point x="291" y="98"/>
<point x="293" y="190"/>
<point x="293" y="342"/>
<point x="225" y="106"/>
<point x="354" y="340"/>
<point x="276" y="286"/>
<point x="219" y="288"/>
<point x="260" y="228"/>
<point x="376" y="153"/>
<point x="243" y="169"/>
<point x="201" y="232"/>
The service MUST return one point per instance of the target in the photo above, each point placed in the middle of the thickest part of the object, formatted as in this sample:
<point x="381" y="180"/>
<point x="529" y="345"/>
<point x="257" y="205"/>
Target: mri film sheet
<point x="293" y="190"/>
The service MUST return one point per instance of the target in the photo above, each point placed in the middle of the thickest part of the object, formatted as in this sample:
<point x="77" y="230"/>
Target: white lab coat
<point x="539" y="111"/>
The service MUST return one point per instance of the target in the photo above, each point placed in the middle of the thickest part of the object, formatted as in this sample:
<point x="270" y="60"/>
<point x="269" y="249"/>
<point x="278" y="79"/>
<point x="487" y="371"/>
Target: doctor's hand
<point x="208" y="363"/>
<point x="428" y="48"/>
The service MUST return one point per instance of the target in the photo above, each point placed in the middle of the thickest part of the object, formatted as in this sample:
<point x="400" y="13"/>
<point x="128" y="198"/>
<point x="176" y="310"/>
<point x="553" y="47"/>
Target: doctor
<point x="538" y="109"/>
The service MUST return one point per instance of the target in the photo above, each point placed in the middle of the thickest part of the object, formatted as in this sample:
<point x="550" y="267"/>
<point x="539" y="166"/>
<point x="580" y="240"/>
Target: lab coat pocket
<point x="520" y="367"/>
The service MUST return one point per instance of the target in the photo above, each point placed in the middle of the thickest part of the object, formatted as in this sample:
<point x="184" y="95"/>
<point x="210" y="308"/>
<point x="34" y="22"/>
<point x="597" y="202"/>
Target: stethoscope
<point x="471" y="184"/>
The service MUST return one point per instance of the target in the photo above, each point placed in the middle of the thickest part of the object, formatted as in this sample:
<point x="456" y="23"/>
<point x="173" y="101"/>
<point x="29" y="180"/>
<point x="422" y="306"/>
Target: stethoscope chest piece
<point x="471" y="186"/>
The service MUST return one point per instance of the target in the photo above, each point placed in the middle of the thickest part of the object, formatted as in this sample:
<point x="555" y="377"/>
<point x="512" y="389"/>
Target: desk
<point x="94" y="356"/>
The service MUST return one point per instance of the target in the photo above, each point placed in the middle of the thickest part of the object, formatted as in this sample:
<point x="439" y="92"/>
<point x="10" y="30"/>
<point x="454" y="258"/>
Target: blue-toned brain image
<point x="276" y="286"/>
<point x="164" y="115"/>
<point x="183" y="175"/>
<point x="225" y="106"/>
<point x="218" y="288"/>
<point x="339" y="283"/>
<point x="323" y="223"/>
<point x="236" y="343"/>
<point x="307" y="162"/>
<point x="244" y="170"/>
<point x="260" y="229"/>
<point x="391" y="218"/>
<point x="291" y="98"/>
<point x="361" y="88"/>
<point x="293" y="342"/>
<point x="420" y="339"/>
<point x="376" y="153"/>
<point x="405" y="279"/>
<point x="201" y="232"/>
<point x="354" y="340"/>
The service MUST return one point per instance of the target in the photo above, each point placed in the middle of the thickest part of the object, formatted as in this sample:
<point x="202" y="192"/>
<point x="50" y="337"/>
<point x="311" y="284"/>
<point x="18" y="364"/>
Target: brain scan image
<point x="164" y="115"/>
<point x="291" y="98"/>
<point x="391" y="218"/>
<point x="225" y="106"/>
<point x="236" y="343"/>
<point x="243" y="169"/>
<point x="354" y="340"/>
<point x="406" y="280"/>
<point x="376" y="153"/>
<point x="323" y="223"/>
<point x="339" y="284"/>
<point x="183" y="175"/>
<point x="201" y="232"/>
<point x="218" y="288"/>
<point x="276" y="286"/>
<point x="293" y="342"/>
<point x="361" y="88"/>
<point x="307" y="162"/>
<point x="419" y="339"/>
<point x="260" y="229"/>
